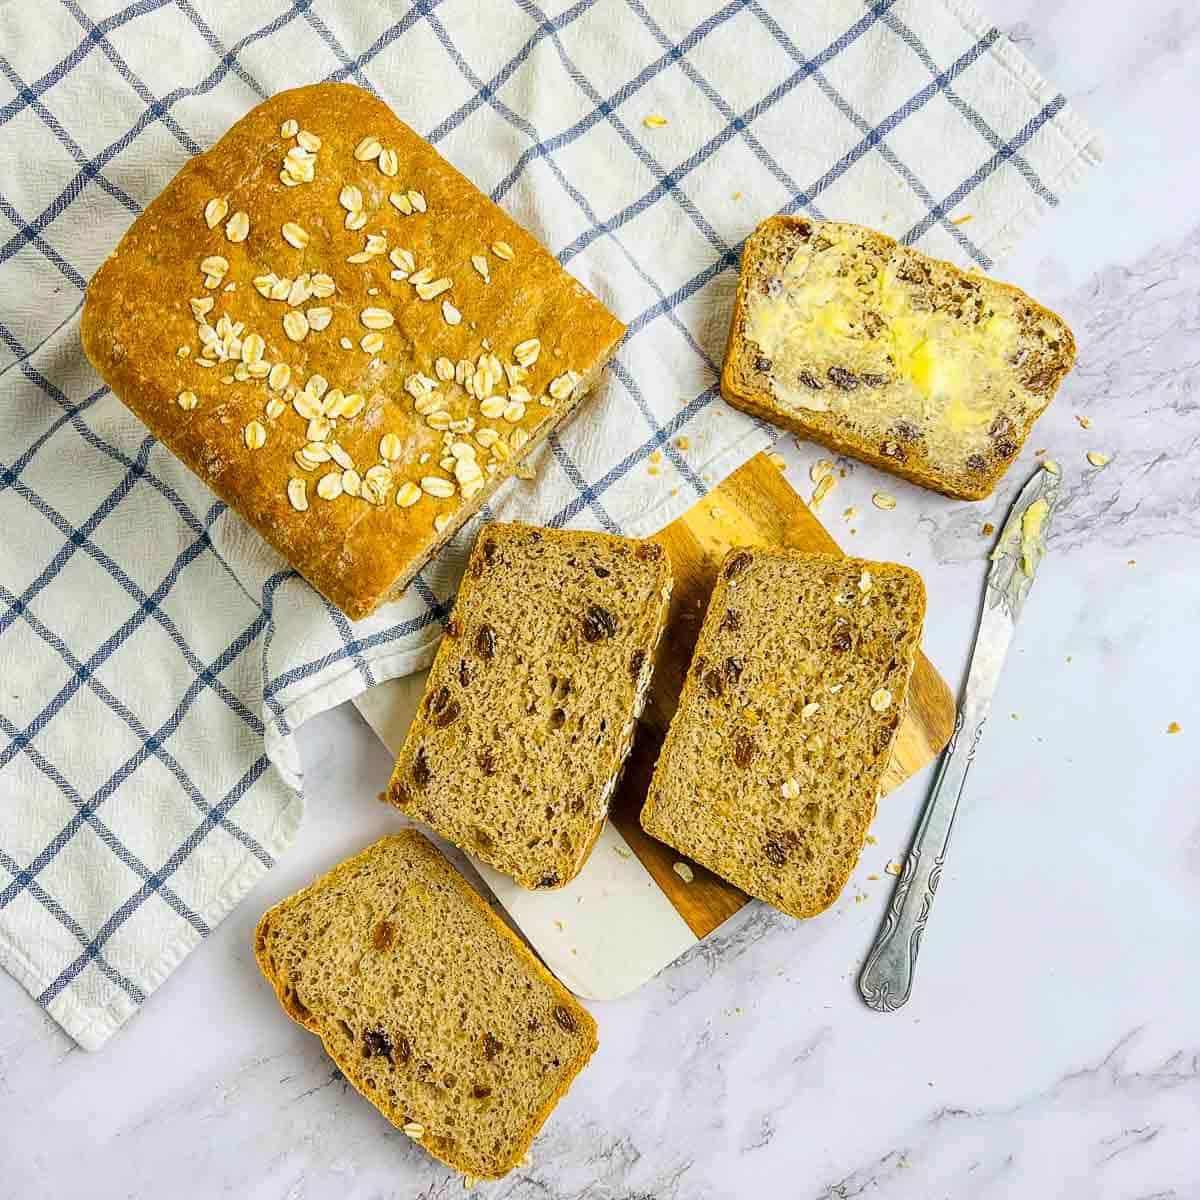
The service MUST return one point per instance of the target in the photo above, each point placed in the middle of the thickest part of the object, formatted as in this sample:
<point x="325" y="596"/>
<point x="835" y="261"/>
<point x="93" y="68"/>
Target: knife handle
<point x="887" y="976"/>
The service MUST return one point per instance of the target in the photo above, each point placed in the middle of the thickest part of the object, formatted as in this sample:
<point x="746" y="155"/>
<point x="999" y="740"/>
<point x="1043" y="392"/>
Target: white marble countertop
<point x="1052" y="1047"/>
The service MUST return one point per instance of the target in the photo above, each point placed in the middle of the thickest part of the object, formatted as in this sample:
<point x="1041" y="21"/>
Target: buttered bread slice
<point x="881" y="352"/>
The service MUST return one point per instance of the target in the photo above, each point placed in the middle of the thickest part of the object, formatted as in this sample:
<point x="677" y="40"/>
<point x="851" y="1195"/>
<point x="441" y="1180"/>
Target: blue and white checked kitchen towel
<point x="155" y="657"/>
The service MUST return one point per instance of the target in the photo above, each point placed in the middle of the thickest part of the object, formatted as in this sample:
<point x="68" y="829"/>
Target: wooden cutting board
<point x="626" y="916"/>
<point x="755" y="506"/>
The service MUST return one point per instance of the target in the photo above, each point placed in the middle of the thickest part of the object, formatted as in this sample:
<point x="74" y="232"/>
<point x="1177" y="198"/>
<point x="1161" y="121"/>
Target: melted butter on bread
<point x="867" y="339"/>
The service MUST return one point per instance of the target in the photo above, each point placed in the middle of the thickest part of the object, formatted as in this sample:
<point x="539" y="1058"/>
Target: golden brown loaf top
<point x="430" y="1006"/>
<point x="884" y="353"/>
<point x="530" y="707"/>
<point x="787" y="721"/>
<point x="342" y="336"/>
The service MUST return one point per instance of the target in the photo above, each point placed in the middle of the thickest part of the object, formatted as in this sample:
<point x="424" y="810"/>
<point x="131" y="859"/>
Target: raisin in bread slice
<point x="771" y="767"/>
<point x="427" y="1002"/>
<point x="530" y="706"/>
<point x="880" y="352"/>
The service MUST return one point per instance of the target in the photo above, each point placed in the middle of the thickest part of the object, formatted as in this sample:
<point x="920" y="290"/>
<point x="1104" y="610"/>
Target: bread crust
<point x="676" y="838"/>
<point x="823" y="427"/>
<point x="137" y="315"/>
<point x="531" y="964"/>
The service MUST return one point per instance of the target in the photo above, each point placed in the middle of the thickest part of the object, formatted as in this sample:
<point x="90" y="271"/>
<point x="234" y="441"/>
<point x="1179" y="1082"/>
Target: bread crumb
<point x="820" y="469"/>
<point x="737" y="195"/>
<point x="1084" y="422"/>
<point x="652" y="469"/>
<point x="1132" y="562"/>
<point x="682" y="443"/>
<point x="963" y="219"/>
<point x="1174" y="727"/>
<point x="893" y="868"/>
<point x="559" y="926"/>
<point x="872" y="876"/>
<point x="715" y="511"/>
<point x="850" y="513"/>
<point x="827" y="484"/>
<point x="656" y="456"/>
<point x="624" y="851"/>
<point x="1098" y="459"/>
<point x="883" y="500"/>
<point x="382" y="797"/>
<point x="654" y="121"/>
<point x="684" y="872"/>
<point x="1051" y="466"/>
<point x="988" y="529"/>
<point x="674" y="491"/>
<point x="870" y="839"/>
<point x="777" y="460"/>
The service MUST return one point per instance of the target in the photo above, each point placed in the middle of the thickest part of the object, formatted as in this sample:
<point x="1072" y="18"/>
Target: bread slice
<point x="530" y="707"/>
<point x="880" y="352"/>
<point x="427" y="1002"/>
<point x="771" y="767"/>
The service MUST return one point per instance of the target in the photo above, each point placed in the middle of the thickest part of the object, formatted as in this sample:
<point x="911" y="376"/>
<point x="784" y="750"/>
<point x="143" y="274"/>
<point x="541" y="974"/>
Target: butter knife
<point x="887" y="976"/>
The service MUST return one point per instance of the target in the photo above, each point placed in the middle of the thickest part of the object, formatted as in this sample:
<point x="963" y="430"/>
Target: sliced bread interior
<point x="427" y="1002"/>
<point x="530" y="705"/>
<point x="771" y="767"/>
<point x="881" y="352"/>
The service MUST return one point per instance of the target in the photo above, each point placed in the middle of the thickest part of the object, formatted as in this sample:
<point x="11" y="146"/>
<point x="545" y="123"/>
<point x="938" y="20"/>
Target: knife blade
<point x="886" y="980"/>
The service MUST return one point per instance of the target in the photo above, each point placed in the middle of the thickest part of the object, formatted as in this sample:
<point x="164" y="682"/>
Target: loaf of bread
<point x="427" y="1003"/>
<point x="883" y="353"/>
<point x="342" y="336"/>
<point x="530" y="706"/>
<point x="771" y="767"/>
